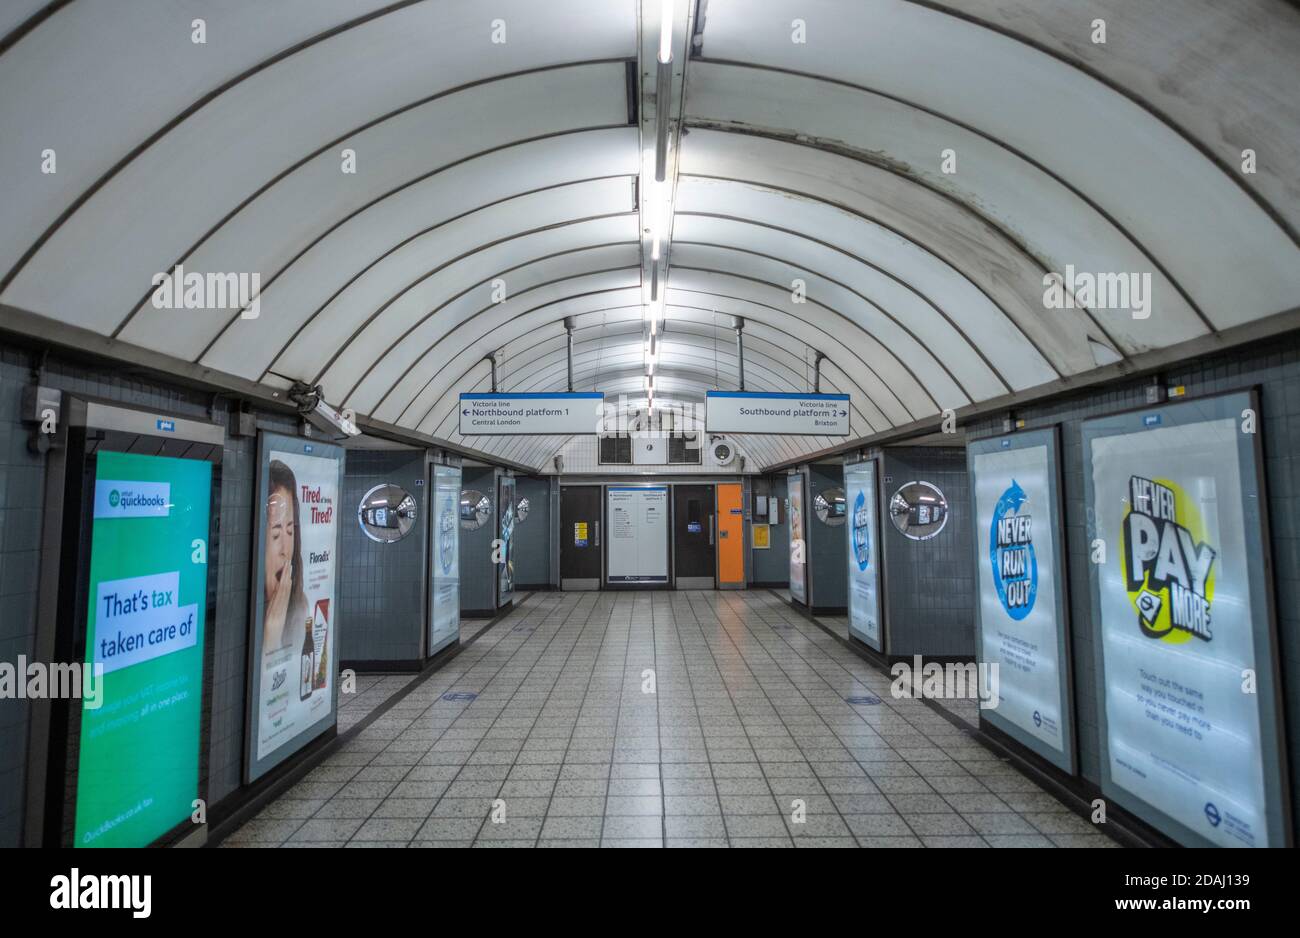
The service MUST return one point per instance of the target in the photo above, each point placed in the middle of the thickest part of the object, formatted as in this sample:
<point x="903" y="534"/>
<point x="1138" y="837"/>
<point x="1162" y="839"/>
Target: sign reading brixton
<point x="786" y="414"/>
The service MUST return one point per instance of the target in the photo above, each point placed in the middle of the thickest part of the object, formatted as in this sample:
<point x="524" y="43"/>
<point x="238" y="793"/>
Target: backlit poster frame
<point x="95" y="429"/>
<point x="506" y="532"/>
<point x="444" y="558"/>
<point x="1015" y="483"/>
<point x="798" y="536"/>
<point x="863" y="555"/>
<point x="319" y="597"/>
<point x="1145" y="460"/>
<point x="612" y="545"/>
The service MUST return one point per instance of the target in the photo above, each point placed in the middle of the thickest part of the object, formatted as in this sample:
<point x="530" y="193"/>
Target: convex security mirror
<point x="830" y="507"/>
<point x="521" y="511"/>
<point x="387" y="513"/>
<point x="918" y="510"/>
<point x="475" y="509"/>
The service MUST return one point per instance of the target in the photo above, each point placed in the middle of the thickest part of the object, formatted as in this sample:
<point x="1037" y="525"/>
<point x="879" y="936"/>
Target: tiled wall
<point x="772" y="565"/>
<point x="381" y="586"/>
<point x="930" y="585"/>
<point x="478" y="583"/>
<point x="582" y="455"/>
<point x="533" y="537"/>
<point x="22" y="490"/>
<point x="1275" y="366"/>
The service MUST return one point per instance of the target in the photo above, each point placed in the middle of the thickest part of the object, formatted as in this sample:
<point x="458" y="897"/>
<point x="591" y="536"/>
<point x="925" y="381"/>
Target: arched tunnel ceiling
<point x="481" y="163"/>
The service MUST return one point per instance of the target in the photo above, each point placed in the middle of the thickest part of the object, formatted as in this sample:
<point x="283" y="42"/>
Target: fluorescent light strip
<point x="666" y="31"/>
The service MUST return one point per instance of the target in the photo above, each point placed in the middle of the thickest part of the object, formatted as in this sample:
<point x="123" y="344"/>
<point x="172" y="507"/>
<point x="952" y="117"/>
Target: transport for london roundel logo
<point x="861" y="532"/>
<point x="1168" y="563"/>
<point x="1011" y="553"/>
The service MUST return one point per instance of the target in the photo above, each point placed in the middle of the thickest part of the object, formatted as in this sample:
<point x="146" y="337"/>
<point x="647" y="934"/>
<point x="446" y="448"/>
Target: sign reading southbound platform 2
<point x="786" y="414"/>
<point x="534" y="414"/>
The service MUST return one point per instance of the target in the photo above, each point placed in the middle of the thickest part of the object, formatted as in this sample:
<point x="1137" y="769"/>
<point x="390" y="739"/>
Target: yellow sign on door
<point x="580" y="534"/>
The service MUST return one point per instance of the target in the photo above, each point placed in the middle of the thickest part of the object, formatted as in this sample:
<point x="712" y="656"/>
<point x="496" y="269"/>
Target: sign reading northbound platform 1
<point x="534" y="414"/>
<point x="787" y="414"/>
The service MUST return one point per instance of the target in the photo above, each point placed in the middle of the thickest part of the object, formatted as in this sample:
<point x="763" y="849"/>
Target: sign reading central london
<point x="534" y="414"/>
<point x="787" y="414"/>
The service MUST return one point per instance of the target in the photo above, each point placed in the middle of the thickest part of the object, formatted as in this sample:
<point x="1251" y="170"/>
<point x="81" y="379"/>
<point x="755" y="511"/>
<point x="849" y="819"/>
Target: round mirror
<point x="387" y="513"/>
<point x="830" y="507"/>
<point x="521" y="511"/>
<point x="918" y="510"/>
<point x="475" y="509"/>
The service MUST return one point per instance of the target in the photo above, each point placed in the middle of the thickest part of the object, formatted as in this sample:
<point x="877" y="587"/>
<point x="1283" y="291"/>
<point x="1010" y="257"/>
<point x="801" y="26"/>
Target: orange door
<point x="731" y="535"/>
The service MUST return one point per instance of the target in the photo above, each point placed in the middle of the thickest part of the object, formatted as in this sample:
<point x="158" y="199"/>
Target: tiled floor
<point x="547" y="732"/>
<point x="373" y="690"/>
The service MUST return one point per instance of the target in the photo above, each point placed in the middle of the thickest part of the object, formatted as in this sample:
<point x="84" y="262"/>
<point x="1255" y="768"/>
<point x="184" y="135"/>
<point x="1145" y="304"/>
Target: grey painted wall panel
<point x="381" y="586"/>
<point x="532" y="537"/>
<point x="929" y="585"/>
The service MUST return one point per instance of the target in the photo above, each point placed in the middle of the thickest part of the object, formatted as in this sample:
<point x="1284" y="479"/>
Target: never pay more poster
<point x="293" y="667"/>
<point x="1020" y="604"/>
<point x="1187" y="664"/>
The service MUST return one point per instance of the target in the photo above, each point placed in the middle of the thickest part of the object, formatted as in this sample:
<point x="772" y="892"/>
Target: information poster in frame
<point x="1187" y="661"/>
<point x="863" y="553"/>
<point x="293" y="665"/>
<point x="1021" y="608"/>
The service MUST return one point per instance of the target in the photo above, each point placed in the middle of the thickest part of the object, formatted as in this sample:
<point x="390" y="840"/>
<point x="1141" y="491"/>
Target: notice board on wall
<point x="1187" y="677"/>
<point x="638" y="534"/>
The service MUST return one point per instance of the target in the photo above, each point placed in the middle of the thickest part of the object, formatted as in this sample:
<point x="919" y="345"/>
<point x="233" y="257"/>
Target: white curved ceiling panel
<point x="397" y="267"/>
<point x="972" y="310"/>
<point x="424" y="347"/>
<point x="97" y="80"/>
<point x="1024" y="201"/>
<point x="895" y="352"/>
<point x="409" y="400"/>
<point x="291" y="215"/>
<point x="811" y="324"/>
<point x="905" y="308"/>
<point x="398" y="331"/>
<point x="268" y="122"/>
<point x="1225" y="73"/>
<point x="364" y="246"/>
<point x="1146" y="176"/>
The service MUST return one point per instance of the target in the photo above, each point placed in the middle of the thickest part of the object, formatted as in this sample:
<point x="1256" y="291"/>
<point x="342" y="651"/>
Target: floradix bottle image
<point x="307" y="666"/>
<point x="321" y="641"/>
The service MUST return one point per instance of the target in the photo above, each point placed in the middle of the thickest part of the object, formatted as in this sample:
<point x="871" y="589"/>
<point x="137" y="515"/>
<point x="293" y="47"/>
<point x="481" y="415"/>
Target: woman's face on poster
<point x="279" y="539"/>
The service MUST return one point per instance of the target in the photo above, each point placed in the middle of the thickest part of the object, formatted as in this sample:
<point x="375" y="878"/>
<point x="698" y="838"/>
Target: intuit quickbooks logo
<point x="115" y="498"/>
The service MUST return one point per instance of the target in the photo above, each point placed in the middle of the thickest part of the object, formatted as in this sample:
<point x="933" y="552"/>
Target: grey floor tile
<point x="749" y="722"/>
